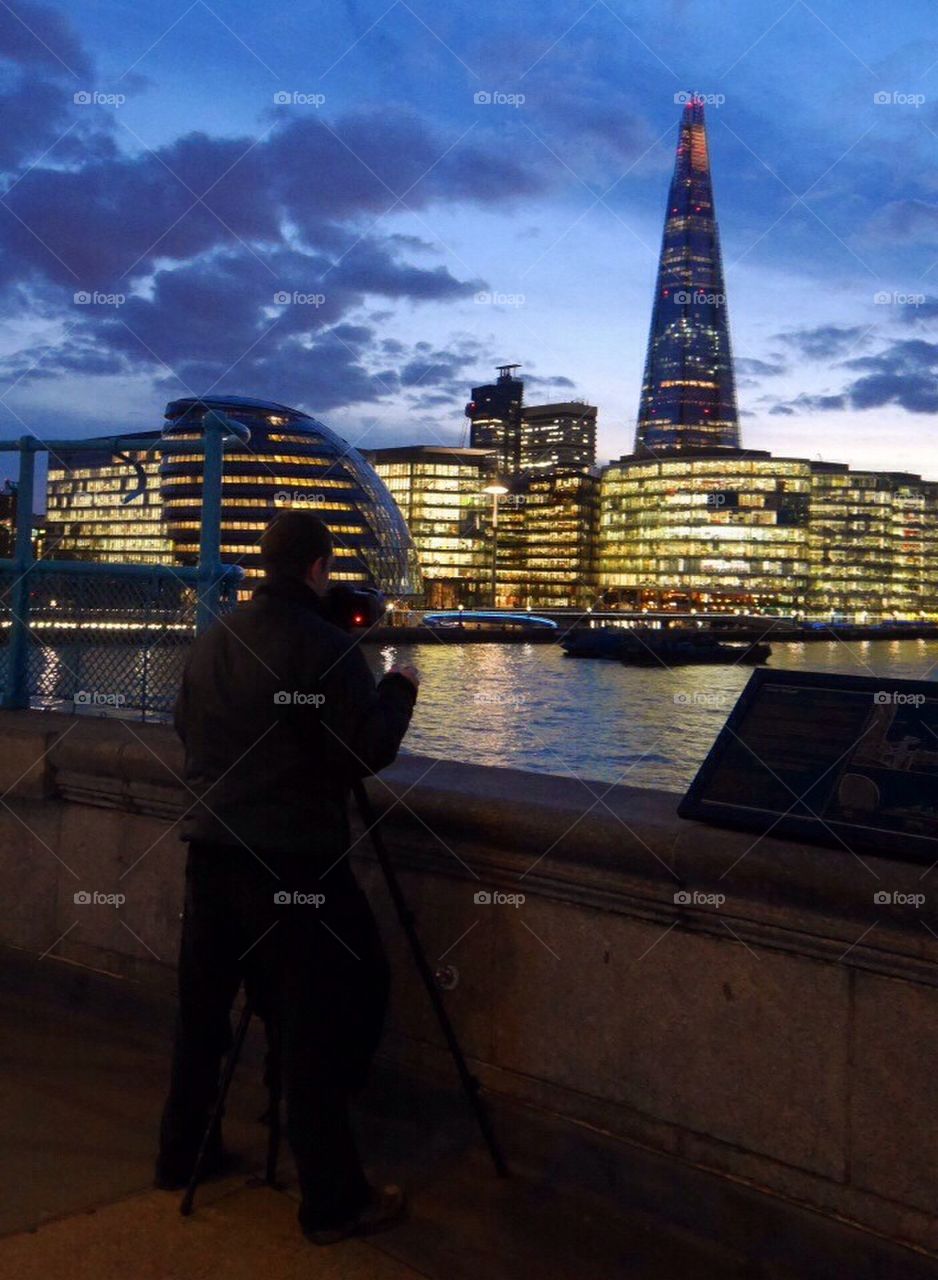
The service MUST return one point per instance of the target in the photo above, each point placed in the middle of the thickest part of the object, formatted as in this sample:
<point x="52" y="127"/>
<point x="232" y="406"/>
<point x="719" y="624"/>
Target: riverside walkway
<point x="81" y="1081"/>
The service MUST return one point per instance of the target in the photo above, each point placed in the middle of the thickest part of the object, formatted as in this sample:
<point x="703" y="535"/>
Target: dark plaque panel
<point x="850" y="761"/>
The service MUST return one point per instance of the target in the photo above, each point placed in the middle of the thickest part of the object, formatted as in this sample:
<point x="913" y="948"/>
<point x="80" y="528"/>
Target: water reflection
<point x="529" y="707"/>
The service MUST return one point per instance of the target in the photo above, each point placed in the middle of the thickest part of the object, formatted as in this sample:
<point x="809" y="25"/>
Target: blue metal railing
<point x="162" y="603"/>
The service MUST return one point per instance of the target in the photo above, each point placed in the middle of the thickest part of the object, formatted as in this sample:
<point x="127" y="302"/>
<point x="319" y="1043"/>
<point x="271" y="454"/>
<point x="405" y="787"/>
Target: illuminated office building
<point x="103" y="507"/>
<point x="290" y="460"/>
<point x="439" y="491"/>
<point x="557" y="435"/>
<point x="547" y="542"/>
<point x="688" y="398"/>
<point x="751" y="532"/>
<point x="708" y="532"/>
<point x="494" y="414"/>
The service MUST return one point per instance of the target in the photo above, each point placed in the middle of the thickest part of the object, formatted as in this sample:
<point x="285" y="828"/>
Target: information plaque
<point x="850" y="761"/>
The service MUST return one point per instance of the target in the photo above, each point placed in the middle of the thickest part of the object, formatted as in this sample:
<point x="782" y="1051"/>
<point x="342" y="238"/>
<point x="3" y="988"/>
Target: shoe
<point x="385" y="1208"/>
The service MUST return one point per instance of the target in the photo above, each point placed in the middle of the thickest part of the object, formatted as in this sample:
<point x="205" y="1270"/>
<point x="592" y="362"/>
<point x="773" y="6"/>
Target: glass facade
<point x="557" y="435"/>
<point x="439" y="492"/>
<point x="688" y="398"/>
<point x="547" y="533"/>
<point x="290" y="460"/>
<point x="755" y="533"/>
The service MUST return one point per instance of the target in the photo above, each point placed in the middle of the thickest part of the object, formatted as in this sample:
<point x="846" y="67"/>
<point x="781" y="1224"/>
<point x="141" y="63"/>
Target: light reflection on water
<point x="530" y="707"/>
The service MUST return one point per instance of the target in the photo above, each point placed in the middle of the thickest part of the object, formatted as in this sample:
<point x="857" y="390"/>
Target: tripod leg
<point x="185" y="1207"/>
<point x="275" y="1089"/>
<point x="469" y="1083"/>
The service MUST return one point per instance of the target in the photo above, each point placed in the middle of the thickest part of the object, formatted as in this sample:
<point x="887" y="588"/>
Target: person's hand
<point x="409" y="673"/>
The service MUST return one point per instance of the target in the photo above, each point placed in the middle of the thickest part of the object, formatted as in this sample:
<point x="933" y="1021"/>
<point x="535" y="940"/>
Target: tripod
<point x="468" y="1081"/>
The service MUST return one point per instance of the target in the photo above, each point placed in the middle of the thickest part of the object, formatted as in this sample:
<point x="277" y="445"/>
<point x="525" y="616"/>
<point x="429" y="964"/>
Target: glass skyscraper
<point x="688" y="399"/>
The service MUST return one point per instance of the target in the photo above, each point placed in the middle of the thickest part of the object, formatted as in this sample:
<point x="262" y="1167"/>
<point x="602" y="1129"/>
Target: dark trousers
<point x="319" y="977"/>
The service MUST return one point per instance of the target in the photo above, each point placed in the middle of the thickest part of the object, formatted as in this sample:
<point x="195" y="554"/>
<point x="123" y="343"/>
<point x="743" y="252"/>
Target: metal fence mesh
<point x="103" y="644"/>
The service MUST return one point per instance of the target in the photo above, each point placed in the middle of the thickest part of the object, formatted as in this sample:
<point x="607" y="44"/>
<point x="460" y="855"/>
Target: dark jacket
<point x="279" y="713"/>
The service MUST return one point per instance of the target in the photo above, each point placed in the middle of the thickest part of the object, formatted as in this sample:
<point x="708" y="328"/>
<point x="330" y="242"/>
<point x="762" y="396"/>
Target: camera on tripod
<point x="350" y="607"/>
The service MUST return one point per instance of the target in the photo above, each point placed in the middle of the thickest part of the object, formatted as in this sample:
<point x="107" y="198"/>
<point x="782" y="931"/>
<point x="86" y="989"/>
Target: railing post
<point x="16" y="694"/>
<point x="210" y="566"/>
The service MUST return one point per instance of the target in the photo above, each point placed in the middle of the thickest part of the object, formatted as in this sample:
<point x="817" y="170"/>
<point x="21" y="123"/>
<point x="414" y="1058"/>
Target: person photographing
<point x="279" y="715"/>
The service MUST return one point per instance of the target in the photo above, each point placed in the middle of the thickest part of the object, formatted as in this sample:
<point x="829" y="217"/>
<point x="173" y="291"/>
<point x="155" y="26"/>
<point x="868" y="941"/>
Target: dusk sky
<point x="422" y="235"/>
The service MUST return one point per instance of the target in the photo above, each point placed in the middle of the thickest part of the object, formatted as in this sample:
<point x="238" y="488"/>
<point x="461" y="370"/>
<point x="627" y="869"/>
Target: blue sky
<point x="422" y="235"/>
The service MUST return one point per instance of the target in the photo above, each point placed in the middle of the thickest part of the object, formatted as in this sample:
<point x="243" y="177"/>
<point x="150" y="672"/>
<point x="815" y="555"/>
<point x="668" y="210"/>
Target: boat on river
<point x="649" y="648"/>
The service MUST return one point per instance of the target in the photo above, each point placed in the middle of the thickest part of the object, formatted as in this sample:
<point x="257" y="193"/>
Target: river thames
<point x="530" y="707"/>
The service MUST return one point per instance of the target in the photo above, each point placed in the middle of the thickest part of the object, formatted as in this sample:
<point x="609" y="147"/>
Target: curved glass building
<point x="136" y="508"/>
<point x="290" y="460"/>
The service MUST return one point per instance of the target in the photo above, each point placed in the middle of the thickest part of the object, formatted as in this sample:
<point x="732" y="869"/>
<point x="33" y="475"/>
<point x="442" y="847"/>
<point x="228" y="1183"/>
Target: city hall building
<point x="145" y="506"/>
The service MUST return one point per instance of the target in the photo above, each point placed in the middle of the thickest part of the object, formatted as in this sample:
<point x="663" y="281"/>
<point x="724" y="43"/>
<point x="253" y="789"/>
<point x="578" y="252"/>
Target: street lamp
<point x="497" y="490"/>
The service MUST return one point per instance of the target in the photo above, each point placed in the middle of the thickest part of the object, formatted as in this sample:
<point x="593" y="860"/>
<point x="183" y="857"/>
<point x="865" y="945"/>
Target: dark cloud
<point x="750" y="367"/>
<point x="903" y="374"/>
<point x="824" y="342"/>
<point x="534" y="380"/>
<point x="243" y="264"/>
<point x="908" y="221"/>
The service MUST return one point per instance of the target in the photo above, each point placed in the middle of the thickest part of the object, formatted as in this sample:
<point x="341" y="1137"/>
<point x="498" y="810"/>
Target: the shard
<point x="688" y="392"/>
